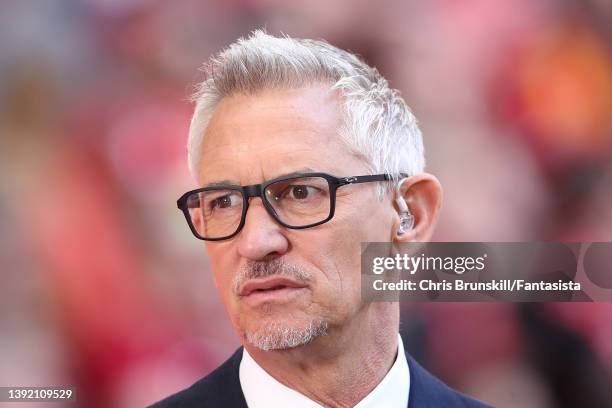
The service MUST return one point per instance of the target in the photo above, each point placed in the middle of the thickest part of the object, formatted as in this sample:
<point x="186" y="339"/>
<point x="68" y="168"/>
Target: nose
<point x="261" y="237"/>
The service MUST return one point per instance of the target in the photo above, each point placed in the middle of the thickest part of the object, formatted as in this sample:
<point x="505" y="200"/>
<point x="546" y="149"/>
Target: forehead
<point x="252" y="138"/>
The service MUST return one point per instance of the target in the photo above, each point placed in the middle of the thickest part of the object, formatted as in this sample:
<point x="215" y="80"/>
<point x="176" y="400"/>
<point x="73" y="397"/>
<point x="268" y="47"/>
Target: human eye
<point x="224" y="201"/>
<point x="301" y="192"/>
<point x="304" y="189"/>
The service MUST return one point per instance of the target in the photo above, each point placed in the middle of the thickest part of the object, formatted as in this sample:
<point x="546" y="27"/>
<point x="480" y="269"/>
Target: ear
<point x="423" y="194"/>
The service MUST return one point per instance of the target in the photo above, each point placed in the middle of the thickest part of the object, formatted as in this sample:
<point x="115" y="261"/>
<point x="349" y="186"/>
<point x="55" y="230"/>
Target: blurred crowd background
<point x="103" y="287"/>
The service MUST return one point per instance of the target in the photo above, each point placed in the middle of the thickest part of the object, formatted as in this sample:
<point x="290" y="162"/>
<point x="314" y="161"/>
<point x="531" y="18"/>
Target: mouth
<point x="269" y="286"/>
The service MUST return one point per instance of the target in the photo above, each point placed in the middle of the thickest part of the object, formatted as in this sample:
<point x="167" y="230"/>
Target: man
<point x="303" y="152"/>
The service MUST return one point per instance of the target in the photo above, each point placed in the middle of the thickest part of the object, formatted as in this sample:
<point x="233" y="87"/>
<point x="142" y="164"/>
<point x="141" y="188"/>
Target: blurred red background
<point x="103" y="286"/>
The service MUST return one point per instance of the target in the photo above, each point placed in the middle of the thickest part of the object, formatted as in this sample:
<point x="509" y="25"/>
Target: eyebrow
<point x="220" y="183"/>
<point x="226" y="182"/>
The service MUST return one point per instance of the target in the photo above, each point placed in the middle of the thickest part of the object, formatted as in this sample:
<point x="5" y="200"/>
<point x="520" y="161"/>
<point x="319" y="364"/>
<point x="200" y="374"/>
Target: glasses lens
<point x="215" y="213"/>
<point x="301" y="201"/>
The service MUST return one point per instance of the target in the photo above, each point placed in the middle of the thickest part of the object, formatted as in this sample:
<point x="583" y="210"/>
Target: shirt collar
<point x="260" y="389"/>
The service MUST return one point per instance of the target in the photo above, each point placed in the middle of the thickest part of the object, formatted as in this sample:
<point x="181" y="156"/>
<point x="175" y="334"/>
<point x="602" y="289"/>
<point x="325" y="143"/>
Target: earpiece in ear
<point x="406" y="218"/>
<point x="406" y="222"/>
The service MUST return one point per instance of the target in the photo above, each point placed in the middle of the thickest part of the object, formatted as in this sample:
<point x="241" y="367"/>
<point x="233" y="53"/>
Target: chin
<point x="279" y="335"/>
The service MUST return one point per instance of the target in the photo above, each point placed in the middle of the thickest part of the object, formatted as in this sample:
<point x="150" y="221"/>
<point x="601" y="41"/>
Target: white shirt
<point x="261" y="390"/>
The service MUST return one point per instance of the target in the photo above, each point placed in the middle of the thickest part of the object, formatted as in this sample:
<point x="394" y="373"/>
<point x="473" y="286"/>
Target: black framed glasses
<point x="298" y="201"/>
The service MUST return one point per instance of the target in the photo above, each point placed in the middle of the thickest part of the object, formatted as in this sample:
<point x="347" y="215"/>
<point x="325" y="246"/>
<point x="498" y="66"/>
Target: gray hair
<point x="378" y="125"/>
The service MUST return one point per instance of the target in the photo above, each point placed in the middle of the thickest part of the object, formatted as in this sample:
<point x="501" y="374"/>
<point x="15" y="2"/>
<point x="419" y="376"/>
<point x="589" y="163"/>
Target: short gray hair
<point x="378" y="125"/>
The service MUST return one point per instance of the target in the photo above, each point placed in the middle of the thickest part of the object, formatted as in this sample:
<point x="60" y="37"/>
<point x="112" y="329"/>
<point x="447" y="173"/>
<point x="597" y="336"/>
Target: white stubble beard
<point x="279" y="336"/>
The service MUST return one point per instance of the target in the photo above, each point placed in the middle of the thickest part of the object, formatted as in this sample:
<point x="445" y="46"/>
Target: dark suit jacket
<point x="221" y="388"/>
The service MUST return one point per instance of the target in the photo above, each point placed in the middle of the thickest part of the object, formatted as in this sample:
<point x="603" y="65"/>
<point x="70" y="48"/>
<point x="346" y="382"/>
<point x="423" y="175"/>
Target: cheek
<point x="223" y="274"/>
<point x="339" y="247"/>
<point x="338" y="260"/>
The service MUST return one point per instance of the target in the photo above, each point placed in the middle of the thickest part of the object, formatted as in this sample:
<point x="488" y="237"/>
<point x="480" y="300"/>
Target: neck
<point x="342" y="367"/>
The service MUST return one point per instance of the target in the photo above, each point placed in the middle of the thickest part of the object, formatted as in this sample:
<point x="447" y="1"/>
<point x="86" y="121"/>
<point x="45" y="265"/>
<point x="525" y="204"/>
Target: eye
<point x="301" y="192"/>
<point x="225" y="201"/>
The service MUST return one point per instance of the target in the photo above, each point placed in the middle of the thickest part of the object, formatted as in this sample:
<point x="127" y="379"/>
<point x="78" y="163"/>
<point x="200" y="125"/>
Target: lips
<point x="269" y="285"/>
